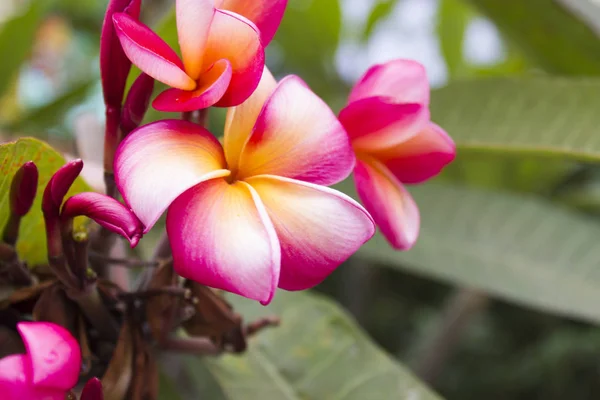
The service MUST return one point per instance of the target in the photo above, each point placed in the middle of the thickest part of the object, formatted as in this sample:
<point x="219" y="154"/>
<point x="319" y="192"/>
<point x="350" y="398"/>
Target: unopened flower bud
<point x="106" y="211"/>
<point x="136" y="103"/>
<point x="92" y="390"/>
<point x="23" y="189"/>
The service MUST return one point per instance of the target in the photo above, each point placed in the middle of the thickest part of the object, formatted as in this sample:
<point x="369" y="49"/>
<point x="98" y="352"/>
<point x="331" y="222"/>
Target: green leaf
<point x="548" y="33"/>
<point x="542" y="116"/>
<point x="381" y="10"/>
<point x="452" y="20"/>
<point x="16" y="41"/>
<point x="318" y="353"/>
<point x="520" y="248"/>
<point x="32" y="238"/>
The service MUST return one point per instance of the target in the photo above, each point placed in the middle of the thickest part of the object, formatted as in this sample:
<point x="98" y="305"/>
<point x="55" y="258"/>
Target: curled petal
<point x="376" y="124"/>
<point x="221" y="237"/>
<point x="318" y="228"/>
<point x="114" y="64"/>
<point x="297" y="136"/>
<point x="23" y="188"/>
<point x="159" y="161"/>
<point x="107" y="212"/>
<point x="422" y="157"/>
<point x="237" y="40"/>
<point x="54" y="354"/>
<point x="58" y="186"/>
<point x="150" y="53"/>
<point x="15" y="381"/>
<point x="390" y="205"/>
<point x="241" y="119"/>
<point x="212" y="85"/>
<point x="194" y="18"/>
<point x="137" y="102"/>
<point x="266" y="14"/>
<point x="404" y="81"/>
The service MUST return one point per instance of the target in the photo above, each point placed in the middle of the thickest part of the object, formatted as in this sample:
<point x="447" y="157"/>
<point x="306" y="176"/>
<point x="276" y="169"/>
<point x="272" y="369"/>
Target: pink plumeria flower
<point x="252" y="215"/>
<point x="387" y="119"/>
<point x="222" y="51"/>
<point x="49" y="369"/>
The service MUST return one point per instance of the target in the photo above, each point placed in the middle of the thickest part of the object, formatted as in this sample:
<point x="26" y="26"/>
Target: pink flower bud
<point x="23" y="189"/>
<point x="107" y="212"/>
<point x="48" y="370"/>
<point x="92" y="390"/>
<point x="136" y="104"/>
<point x="58" y="186"/>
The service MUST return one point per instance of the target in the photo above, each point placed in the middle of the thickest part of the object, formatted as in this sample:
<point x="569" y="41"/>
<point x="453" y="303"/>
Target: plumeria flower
<point x="49" y="369"/>
<point x="254" y="214"/>
<point x="387" y="119"/>
<point x="222" y="51"/>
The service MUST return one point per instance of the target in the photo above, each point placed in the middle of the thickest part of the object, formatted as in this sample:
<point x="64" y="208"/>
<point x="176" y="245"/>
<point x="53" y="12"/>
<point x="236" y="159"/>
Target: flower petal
<point x="159" y="161"/>
<point x="405" y="81"/>
<point x="221" y="237"/>
<point x="375" y="124"/>
<point x="194" y="18"/>
<point x="150" y="53"/>
<point x="241" y="119"/>
<point x="234" y="38"/>
<point x="211" y="87"/>
<point x="299" y="137"/>
<point x="54" y="353"/>
<point x="266" y="14"/>
<point x="15" y="372"/>
<point x="318" y="228"/>
<point x="391" y="206"/>
<point x="422" y="157"/>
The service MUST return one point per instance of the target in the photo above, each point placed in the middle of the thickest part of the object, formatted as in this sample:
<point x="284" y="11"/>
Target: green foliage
<point x="382" y="9"/>
<point x="32" y="239"/>
<point x="516" y="247"/>
<point x="318" y="352"/>
<point x="549" y="34"/>
<point x="452" y="19"/>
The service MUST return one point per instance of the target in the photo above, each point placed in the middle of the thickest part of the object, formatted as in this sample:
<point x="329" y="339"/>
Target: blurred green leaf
<point x="38" y="120"/>
<point x="382" y="9"/>
<point x="32" y="238"/>
<point x="16" y="41"/>
<point x="317" y="353"/>
<point x="452" y="20"/>
<point x="520" y="248"/>
<point x="548" y="33"/>
<point x="543" y="116"/>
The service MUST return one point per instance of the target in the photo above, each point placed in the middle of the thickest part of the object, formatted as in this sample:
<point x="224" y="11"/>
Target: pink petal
<point x="211" y="87"/>
<point x="15" y="381"/>
<point x="159" y="161"/>
<point x="405" y="81"/>
<point x="241" y="119"/>
<point x="136" y="103"/>
<point x="234" y="38"/>
<point x="107" y="212"/>
<point x="194" y="18"/>
<point x="422" y="157"/>
<point x="318" y="228"/>
<point x="299" y="137"/>
<point x="221" y="236"/>
<point x="376" y="124"/>
<point x="266" y="14"/>
<point x="55" y="355"/>
<point x="390" y="205"/>
<point x="150" y="53"/>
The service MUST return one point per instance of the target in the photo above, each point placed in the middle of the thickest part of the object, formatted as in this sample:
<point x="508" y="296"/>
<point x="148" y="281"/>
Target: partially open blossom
<point x="49" y="369"/>
<point x="222" y="51"/>
<point x="107" y="212"/>
<point x="387" y="119"/>
<point x="251" y="215"/>
<point x="23" y="188"/>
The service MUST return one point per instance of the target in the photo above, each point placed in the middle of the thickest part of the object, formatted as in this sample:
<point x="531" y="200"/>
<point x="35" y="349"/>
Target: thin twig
<point x="123" y="262"/>
<point x="193" y="346"/>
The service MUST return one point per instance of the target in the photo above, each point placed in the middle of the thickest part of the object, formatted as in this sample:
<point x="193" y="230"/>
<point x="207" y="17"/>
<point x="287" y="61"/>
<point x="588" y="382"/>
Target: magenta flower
<point x="49" y="369"/>
<point x="222" y="51"/>
<point x="250" y="216"/>
<point x="387" y="119"/>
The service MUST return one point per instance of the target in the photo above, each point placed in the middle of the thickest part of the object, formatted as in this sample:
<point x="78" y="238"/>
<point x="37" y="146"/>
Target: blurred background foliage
<point x="499" y="299"/>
